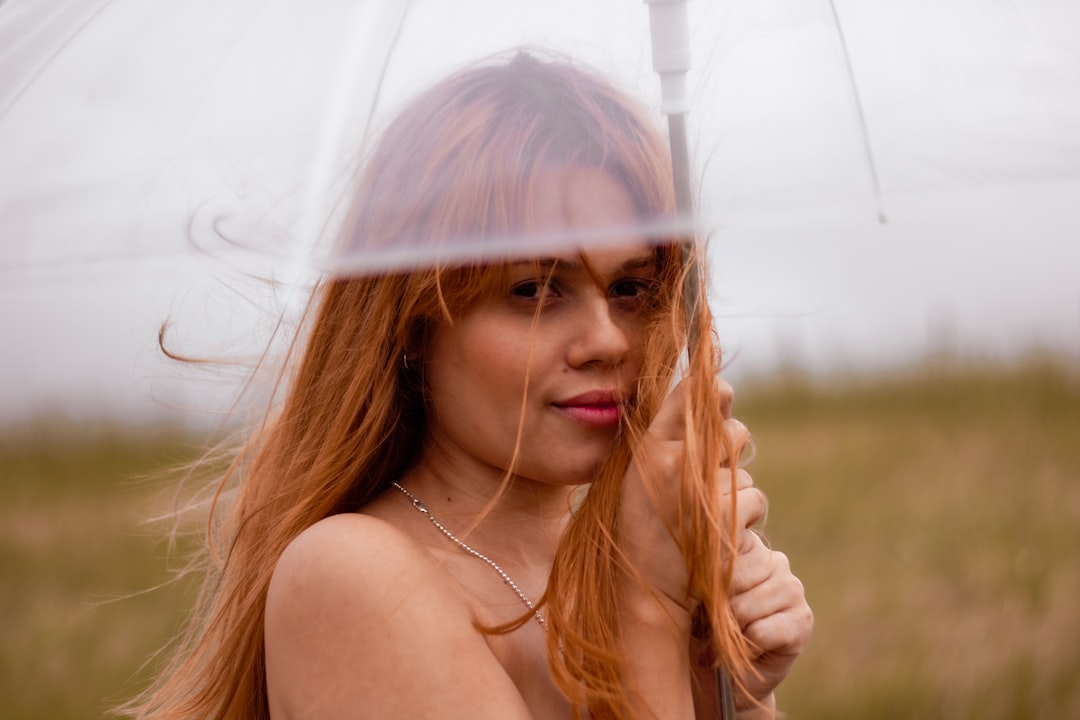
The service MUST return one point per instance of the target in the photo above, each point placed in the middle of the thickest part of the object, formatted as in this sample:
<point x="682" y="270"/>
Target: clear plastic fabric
<point x="132" y="129"/>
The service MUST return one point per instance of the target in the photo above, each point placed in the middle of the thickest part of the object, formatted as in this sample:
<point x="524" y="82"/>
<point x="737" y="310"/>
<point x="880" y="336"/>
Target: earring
<point x="405" y="360"/>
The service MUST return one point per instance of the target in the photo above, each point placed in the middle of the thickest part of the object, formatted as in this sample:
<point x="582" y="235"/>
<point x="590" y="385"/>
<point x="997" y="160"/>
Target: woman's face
<point x="575" y="331"/>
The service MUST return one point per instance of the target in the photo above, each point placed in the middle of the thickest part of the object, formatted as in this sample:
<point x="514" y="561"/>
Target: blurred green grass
<point x="934" y="516"/>
<point x="76" y="560"/>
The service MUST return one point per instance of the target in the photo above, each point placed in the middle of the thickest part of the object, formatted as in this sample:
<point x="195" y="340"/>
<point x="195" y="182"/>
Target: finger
<point x="754" y="565"/>
<point x="751" y="507"/>
<point x="779" y="639"/>
<point x="785" y="631"/>
<point x="727" y="398"/>
<point x="775" y="617"/>
<point x="781" y="594"/>
<point x="743" y="480"/>
<point x="735" y="432"/>
<point x="670" y="420"/>
<point x="669" y="423"/>
<point x="736" y="436"/>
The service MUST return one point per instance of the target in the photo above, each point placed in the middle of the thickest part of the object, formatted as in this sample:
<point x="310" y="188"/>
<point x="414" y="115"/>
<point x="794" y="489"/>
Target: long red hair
<point x="459" y="161"/>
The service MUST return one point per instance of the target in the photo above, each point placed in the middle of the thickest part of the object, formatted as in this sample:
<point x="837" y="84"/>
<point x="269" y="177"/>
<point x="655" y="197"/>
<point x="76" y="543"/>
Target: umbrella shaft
<point x="684" y="204"/>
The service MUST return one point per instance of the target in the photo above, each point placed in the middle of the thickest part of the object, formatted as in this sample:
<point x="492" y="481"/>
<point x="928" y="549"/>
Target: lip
<point x="595" y="408"/>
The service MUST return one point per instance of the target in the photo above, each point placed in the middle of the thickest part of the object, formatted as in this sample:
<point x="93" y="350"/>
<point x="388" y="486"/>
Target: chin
<point x="567" y="475"/>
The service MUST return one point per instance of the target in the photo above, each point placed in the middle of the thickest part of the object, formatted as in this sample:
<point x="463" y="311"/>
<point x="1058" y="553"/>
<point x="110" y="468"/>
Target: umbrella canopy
<point x="132" y="137"/>
<point x="129" y="131"/>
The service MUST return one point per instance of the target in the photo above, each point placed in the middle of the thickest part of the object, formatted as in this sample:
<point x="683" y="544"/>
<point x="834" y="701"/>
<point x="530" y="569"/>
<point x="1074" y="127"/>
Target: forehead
<point x="582" y="199"/>
<point x="636" y="257"/>
<point x="572" y="216"/>
<point x="590" y="213"/>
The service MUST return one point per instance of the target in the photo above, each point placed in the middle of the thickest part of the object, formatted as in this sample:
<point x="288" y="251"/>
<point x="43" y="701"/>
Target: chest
<point x="522" y="652"/>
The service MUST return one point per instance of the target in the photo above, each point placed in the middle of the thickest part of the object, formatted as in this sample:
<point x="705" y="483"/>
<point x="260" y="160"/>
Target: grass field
<point x="934" y="517"/>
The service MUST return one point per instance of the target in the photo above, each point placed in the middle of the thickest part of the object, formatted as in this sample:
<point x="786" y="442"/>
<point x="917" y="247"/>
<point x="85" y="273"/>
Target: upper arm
<point x="361" y="622"/>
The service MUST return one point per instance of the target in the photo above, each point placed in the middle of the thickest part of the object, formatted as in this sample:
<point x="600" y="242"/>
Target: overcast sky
<point x="127" y="129"/>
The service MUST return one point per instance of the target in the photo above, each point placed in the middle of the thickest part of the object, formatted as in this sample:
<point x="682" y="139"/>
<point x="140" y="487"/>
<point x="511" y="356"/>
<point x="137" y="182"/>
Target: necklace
<point x="422" y="509"/>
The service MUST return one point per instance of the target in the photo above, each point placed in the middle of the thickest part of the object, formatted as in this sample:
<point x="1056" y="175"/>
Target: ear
<point x="417" y="340"/>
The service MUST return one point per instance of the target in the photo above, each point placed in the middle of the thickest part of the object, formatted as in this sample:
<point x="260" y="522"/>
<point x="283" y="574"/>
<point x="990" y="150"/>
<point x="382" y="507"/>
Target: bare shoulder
<point x="350" y="542"/>
<point x="361" y="622"/>
<point x="364" y="561"/>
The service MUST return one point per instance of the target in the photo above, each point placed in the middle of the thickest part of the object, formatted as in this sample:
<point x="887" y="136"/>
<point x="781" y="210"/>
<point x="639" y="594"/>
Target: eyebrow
<point x="635" y="263"/>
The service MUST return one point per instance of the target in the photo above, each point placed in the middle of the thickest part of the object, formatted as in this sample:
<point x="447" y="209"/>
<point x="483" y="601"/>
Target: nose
<point x="598" y="338"/>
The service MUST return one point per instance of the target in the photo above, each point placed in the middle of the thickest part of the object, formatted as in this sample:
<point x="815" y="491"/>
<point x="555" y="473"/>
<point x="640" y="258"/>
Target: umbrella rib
<point x="386" y="62"/>
<point x="306" y="248"/>
<point x="864" y="131"/>
<point x="44" y="64"/>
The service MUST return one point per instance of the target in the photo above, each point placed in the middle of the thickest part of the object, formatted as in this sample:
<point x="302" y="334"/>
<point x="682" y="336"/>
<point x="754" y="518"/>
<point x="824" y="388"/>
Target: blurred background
<point x="932" y="512"/>
<point x="913" y="384"/>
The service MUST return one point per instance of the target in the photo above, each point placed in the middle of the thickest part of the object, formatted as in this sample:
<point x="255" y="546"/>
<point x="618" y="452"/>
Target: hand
<point x="767" y="600"/>
<point x="651" y="502"/>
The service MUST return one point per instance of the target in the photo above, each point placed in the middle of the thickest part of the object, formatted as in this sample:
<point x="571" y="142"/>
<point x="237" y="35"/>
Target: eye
<point x="529" y="289"/>
<point x="534" y="290"/>
<point x="632" y="288"/>
<point x="633" y="294"/>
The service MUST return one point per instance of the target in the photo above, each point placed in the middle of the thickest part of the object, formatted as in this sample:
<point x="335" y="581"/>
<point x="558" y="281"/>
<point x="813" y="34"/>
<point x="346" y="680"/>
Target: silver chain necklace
<point x="422" y="509"/>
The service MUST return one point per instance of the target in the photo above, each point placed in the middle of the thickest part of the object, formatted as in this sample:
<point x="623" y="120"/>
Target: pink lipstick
<point x="597" y="408"/>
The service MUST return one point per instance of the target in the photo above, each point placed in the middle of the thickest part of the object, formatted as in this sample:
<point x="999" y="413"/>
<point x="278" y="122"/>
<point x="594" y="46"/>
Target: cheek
<point x="493" y="357"/>
<point x="636" y="334"/>
<point x="477" y="373"/>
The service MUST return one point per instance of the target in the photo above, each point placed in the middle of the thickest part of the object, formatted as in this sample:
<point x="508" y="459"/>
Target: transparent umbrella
<point x="235" y="131"/>
<point x="128" y="133"/>
<point x="134" y="140"/>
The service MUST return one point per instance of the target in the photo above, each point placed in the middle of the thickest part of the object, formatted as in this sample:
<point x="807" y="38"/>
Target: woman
<point x="479" y="498"/>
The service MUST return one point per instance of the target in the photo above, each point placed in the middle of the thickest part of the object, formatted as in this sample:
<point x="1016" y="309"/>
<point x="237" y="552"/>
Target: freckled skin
<point x="587" y="338"/>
